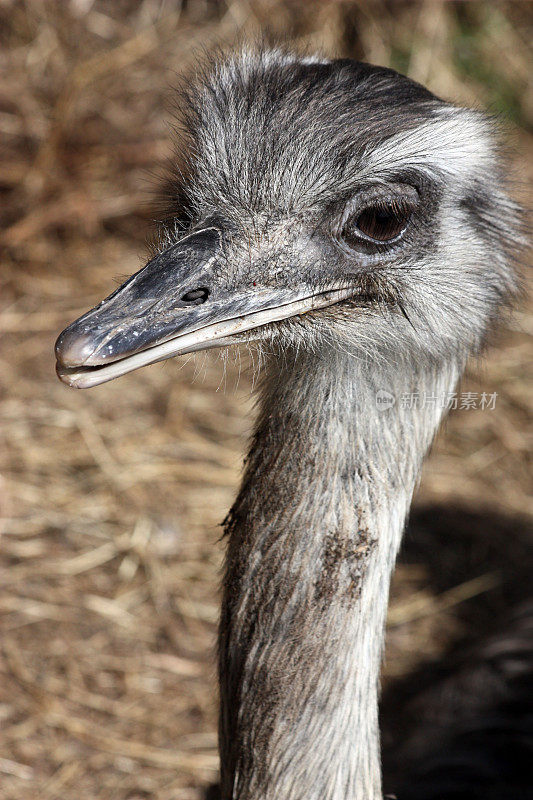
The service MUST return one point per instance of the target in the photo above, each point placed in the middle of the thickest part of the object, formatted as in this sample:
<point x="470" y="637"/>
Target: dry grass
<point x="111" y="499"/>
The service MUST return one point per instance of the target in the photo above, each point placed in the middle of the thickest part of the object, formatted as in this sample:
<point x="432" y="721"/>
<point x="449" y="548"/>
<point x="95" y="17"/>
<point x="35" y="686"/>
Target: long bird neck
<point x="313" y="538"/>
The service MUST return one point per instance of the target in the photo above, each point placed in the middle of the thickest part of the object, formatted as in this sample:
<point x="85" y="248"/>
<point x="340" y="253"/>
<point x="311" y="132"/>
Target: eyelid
<point x="386" y="194"/>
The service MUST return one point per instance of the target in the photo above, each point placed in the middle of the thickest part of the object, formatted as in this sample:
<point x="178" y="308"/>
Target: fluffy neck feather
<point x="313" y="537"/>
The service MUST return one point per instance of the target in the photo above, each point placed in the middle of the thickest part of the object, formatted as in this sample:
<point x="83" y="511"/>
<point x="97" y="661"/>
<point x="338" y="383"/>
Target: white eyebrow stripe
<point x="458" y="143"/>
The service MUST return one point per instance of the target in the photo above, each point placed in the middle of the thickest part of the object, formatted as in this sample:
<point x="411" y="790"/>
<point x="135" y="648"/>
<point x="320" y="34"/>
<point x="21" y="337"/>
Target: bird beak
<point x="174" y="305"/>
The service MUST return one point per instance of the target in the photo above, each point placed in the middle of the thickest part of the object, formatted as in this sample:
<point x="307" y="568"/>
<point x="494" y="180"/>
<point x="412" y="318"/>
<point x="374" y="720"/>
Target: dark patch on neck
<point x="344" y="562"/>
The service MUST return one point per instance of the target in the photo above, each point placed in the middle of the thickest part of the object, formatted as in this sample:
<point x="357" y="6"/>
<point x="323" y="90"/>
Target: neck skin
<point x="313" y="538"/>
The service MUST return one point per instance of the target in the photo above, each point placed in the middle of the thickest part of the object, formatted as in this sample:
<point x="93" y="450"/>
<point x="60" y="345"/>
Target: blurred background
<point x="111" y="500"/>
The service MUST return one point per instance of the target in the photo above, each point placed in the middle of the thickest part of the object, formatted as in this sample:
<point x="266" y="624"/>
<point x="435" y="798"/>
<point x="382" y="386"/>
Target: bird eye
<point x="382" y="222"/>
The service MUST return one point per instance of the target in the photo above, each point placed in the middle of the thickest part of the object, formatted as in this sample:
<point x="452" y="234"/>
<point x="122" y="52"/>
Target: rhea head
<point x="327" y="204"/>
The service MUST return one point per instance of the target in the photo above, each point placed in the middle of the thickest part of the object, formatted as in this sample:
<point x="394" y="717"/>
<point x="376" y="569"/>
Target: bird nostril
<point x="196" y="296"/>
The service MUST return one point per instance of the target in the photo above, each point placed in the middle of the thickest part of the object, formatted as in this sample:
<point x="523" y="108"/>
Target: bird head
<point x="327" y="204"/>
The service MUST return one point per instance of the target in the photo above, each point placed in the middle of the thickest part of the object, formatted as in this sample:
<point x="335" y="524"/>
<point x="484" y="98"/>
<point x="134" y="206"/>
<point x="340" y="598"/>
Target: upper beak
<point x="173" y="305"/>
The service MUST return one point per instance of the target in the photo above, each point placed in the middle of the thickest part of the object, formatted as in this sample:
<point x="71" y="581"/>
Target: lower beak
<point x="171" y="307"/>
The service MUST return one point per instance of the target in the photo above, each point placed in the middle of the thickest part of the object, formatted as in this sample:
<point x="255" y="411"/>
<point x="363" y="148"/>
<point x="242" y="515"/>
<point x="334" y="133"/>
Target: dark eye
<point x="382" y="222"/>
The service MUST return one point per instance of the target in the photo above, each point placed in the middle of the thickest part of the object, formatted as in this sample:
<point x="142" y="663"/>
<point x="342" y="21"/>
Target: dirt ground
<point x="111" y="500"/>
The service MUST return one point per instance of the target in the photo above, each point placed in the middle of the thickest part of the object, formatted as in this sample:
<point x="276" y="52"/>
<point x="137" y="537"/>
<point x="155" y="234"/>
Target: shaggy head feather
<point x="283" y="152"/>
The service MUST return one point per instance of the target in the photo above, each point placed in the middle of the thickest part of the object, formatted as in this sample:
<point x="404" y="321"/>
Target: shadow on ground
<point x="463" y="727"/>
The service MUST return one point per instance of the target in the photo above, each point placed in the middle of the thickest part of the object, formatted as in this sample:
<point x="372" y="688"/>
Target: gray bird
<point x="357" y="229"/>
